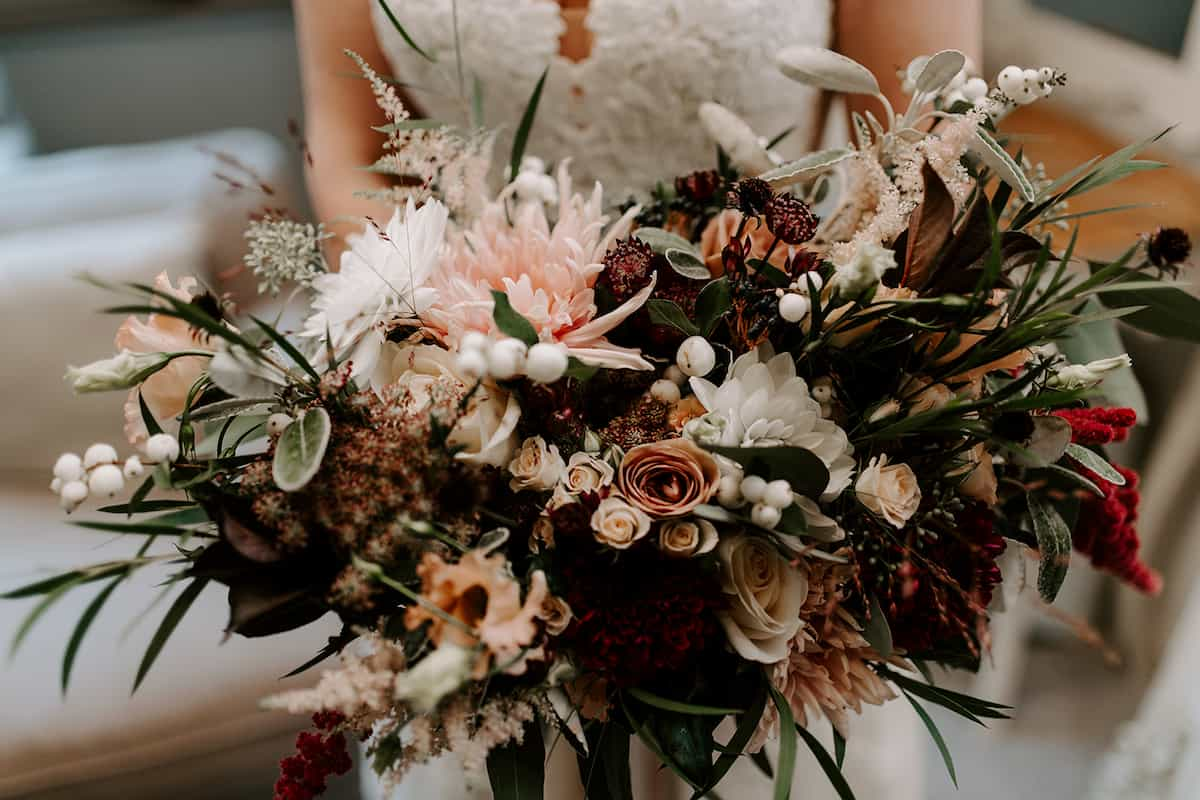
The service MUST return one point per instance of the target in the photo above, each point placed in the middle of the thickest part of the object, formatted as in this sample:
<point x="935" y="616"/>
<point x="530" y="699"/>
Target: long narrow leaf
<point x="787" y="746"/>
<point x="36" y="613"/>
<point x="680" y="707"/>
<point x="827" y="764"/>
<point x="408" y="40"/>
<point x="526" y="125"/>
<point x="170" y="621"/>
<point x="81" y="628"/>
<point x="936" y="735"/>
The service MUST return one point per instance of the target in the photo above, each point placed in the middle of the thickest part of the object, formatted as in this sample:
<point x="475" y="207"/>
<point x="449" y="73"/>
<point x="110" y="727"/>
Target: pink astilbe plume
<point x="546" y="269"/>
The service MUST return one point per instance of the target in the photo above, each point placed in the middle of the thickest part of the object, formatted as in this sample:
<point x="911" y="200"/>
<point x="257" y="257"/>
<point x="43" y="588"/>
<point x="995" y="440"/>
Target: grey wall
<point x="152" y="78"/>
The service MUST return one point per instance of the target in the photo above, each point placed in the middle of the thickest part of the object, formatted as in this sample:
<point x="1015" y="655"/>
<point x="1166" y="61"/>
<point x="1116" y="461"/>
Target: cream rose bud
<point x="765" y="595"/>
<point x="123" y="371"/>
<point x="685" y="538"/>
<point x="556" y="614"/>
<point x="890" y="491"/>
<point x="587" y="473"/>
<point x="537" y="466"/>
<point x="618" y="524"/>
<point x="432" y="678"/>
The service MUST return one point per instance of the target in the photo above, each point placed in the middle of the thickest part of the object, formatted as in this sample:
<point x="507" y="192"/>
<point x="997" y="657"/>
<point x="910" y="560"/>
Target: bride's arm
<point x="339" y="111"/>
<point x="885" y="36"/>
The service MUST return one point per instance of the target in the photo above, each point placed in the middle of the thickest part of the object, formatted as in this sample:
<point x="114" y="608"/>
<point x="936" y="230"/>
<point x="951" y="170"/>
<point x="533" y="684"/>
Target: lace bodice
<point x="627" y="113"/>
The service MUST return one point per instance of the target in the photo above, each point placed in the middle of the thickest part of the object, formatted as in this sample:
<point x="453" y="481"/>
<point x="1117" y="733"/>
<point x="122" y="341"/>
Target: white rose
<point x="438" y="674"/>
<point x="863" y="270"/>
<point x="891" y="492"/>
<point x="766" y="594"/>
<point x="123" y="371"/>
<point x="538" y="466"/>
<point x="586" y="473"/>
<point x="618" y="524"/>
<point x="687" y="538"/>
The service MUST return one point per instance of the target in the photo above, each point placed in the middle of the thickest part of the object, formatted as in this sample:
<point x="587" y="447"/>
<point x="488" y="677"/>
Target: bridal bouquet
<point x="710" y="467"/>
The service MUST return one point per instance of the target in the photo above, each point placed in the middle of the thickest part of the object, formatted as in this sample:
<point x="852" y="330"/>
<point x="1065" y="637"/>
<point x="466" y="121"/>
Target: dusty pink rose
<point x="165" y="392"/>
<point x="668" y="478"/>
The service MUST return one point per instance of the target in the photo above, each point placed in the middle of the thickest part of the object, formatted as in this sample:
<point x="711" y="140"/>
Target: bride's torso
<point x="625" y="111"/>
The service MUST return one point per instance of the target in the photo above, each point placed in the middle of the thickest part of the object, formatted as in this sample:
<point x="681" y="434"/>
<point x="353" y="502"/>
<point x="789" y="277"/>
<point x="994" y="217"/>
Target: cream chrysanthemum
<point x="763" y="403"/>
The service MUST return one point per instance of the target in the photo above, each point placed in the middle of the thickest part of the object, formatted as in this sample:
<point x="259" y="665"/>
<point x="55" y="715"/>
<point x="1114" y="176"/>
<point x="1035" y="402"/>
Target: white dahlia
<point x="763" y="403"/>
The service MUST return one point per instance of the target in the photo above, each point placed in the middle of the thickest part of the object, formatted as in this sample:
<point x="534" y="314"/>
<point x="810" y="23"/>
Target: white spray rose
<point x="890" y="491"/>
<point x="618" y="524"/>
<point x="537" y="466"/>
<point x="586" y="473"/>
<point x="686" y="538"/>
<point x="766" y="594"/>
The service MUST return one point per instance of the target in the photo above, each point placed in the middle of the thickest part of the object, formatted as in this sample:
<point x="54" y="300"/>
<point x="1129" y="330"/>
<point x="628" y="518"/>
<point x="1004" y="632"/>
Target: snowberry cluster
<point x="504" y="359"/>
<point x="767" y="499"/>
<point x="97" y="472"/>
<point x="666" y="389"/>
<point x="1023" y="86"/>
<point x="795" y="302"/>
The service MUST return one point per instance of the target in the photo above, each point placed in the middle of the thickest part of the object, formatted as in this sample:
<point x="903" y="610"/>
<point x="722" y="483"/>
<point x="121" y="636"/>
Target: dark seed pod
<point x="790" y="218"/>
<point x="750" y="196"/>
<point x="1168" y="247"/>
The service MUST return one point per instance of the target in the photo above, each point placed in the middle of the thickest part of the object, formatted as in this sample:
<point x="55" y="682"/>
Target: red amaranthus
<point x="1107" y="532"/>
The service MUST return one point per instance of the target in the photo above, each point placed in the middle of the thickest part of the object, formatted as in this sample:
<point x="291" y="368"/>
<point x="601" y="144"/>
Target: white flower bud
<point x="729" y="492"/>
<point x="765" y="516"/>
<point x="277" y="423"/>
<point x="68" y="467"/>
<point x="753" y="488"/>
<point x="506" y="359"/>
<point x="793" y="307"/>
<point x="1085" y="376"/>
<point x="696" y="356"/>
<point x="123" y="371"/>
<point x="546" y="362"/>
<point x="162" y="447"/>
<point x="675" y="375"/>
<point x="73" y="493"/>
<point x="1011" y="81"/>
<point x="106" y="480"/>
<point x="99" y="454"/>
<point x="778" y="494"/>
<point x="471" y="364"/>
<point x="133" y="468"/>
<point x="665" y="392"/>
<point x="474" y="340"/>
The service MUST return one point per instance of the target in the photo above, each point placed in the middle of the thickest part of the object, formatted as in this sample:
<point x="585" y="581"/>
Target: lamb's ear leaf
<point x="939" y="70"/>
<point x="300" y="449"/>
<point x="1054" y="542"/>
<point x="517" y="771"/>
<point x="825" y="69"/>
<point x="1002" y="164"/>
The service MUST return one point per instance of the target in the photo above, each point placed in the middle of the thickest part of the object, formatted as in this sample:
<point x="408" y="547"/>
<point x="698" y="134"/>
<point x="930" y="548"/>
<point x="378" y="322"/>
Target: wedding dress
<point x="626" y="114"/>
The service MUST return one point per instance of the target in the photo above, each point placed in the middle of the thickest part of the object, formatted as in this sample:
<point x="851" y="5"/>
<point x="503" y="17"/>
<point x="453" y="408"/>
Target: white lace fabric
<point x="627" y="113"/>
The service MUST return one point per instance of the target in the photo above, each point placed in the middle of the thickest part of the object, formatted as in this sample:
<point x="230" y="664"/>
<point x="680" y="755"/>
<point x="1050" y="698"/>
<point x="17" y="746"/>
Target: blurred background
<point x="137" y="135"/>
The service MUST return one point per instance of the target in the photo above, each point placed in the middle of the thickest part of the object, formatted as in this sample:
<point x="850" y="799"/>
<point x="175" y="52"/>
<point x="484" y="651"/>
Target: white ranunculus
<point x="863" y="270"/>
<point x="537" y="466"/>
<point x="123" y="371"/>
<point x="686" y="538"/>
<point x="618" y="524"/>
<point x="438" y="674"/>
<point x="890" y="491"/>
<point x="765" y="597"/>
<point x="586" y="473"/>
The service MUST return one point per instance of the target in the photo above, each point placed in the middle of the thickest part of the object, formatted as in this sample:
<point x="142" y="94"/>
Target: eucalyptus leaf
<point x="300" y="448"/>
<point x="939" y="70"/>
<point x="825" y="69"/>
<point x="1054" y="543"/>
<point x="806" y="167"/>
<point x="992" y="154"/>
<point x="661" y="241"/>
<point x="1096" y="463"/>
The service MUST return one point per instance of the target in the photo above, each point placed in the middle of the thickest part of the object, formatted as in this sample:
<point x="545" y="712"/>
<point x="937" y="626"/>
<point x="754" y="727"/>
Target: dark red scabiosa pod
<point x="1167" y="248"/>
<point x="750" y="196"/>
<point x="699" y="186"/>
<point x="1106" y="531"/>
<point x="790" y="218"/>
<point x="628" y="266"/>
<point x="1098" y="426"/>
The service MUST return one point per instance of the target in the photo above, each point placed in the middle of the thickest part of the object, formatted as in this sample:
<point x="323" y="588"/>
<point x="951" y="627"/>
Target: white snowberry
<point x="106" y="480"/>
<point x="778" y="494"/>
<point x="675" y="375"/>
<point x="73" y="493"/>
<point x="1046" y="74"/>
<point x="696" y="356"/>
<point x="277" y="423"/>
<point x="471" y="364"/>
<point x="99" y="454"/>
<point x="56" y="485"/>
<point x="974" y="89"/>
<point x="546" y="362"/>
<point x="822" y="392"/>
<point x="665" y="391"/>
<point x="162" y="447"/>
<point x="474" y="340"/>
<point x="1011" y="81"/>
<point x="801" y="283"/>
<point x="68" y="467"/>
<point x="729" y="492"/>
<point x="133" y="467"/>
<point x="753" y="488"/>
<point x="765" y="516"/>
<point x="793" y="307"/>
<point x="506" y="359"/>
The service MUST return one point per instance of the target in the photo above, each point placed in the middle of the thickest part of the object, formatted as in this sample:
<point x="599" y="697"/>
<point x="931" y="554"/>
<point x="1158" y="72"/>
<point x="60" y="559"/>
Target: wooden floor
<point x="1061" y="143"/>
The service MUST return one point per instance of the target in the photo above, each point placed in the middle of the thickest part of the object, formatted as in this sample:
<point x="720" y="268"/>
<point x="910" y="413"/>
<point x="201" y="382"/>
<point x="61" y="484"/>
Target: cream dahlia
<point x="546" y="269"/>
<point x="763" y="403"/>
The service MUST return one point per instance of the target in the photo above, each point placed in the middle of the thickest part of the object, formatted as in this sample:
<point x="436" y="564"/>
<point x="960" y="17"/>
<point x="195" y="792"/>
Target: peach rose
<point x="890" y="491"/>
<point x="618" y="524"/>
<point x="668" y="478"/>
<point x="166" y="391"/>
<point x="484" y="599"/>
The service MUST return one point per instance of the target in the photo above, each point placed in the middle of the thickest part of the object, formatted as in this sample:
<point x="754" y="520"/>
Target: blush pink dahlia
<point x="546" y="269"/>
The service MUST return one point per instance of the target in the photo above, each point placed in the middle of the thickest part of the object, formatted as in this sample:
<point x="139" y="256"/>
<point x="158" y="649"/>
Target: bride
<point x="611" y="64"/>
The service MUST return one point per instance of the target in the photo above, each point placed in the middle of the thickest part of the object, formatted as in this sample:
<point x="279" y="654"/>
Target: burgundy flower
<point x="1106" y="532"/>
<point x="790" y="218"/>
<point x="1168" y="247"/>
<point x="1095" y="426"/>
